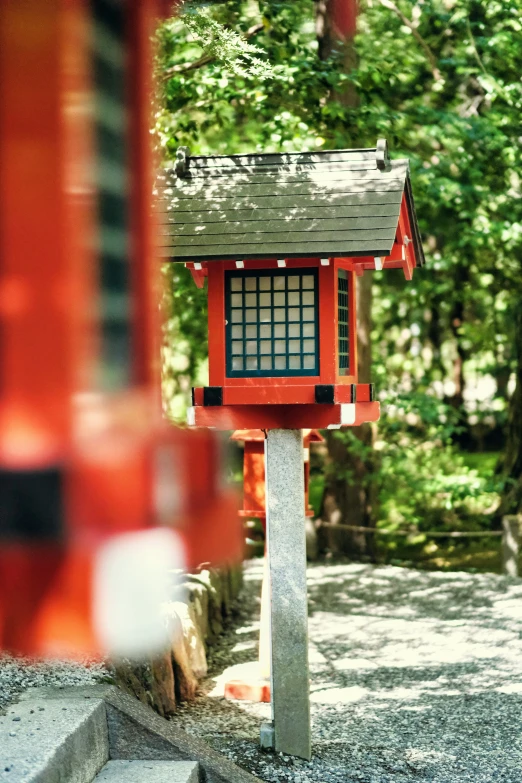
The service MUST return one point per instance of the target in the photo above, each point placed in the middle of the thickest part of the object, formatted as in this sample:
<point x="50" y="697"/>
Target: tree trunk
<point x="335" y="22"/>
<point x="434" y="335"/>
<point x="512" y="461"/>
<point x="456" y="399"/>
<point x="348" y="495"/>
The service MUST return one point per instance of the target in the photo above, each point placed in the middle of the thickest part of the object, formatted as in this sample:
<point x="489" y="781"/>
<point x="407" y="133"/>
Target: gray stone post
<point x="511" y="527"/>
<point x="285" y="517"/>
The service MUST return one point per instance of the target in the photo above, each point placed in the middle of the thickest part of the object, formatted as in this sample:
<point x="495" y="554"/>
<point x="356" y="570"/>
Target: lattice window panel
<point x="343" y="343"/>
<point x="272" y="323"/>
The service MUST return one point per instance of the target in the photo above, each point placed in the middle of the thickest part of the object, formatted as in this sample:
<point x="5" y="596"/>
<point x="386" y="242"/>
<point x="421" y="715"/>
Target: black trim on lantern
<point x="32" y="505"/>
<point x="353" y="393"/>
<point x="372" y="392"/>
<point x="193" y="396"/>
<point x="212" y="396"/>
<point x="324" y="393"/>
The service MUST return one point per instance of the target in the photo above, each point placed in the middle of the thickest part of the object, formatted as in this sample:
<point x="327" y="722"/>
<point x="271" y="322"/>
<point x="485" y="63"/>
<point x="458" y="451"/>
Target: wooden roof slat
<point x="229" y="228"/>
<point x="284" y="237"/>
<point x="279" y="250"/>
<point x="288" y="202"/>
<point x="185" y="219"/>
<point x="244" y="190"/>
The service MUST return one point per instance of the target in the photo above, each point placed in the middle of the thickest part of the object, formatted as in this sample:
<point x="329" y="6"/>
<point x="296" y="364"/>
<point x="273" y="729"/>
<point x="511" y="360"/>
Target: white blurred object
<point x="132" y="581"/>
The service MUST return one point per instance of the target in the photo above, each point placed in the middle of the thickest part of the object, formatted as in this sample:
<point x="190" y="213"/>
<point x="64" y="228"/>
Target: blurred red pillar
<point x="79" y="463"/>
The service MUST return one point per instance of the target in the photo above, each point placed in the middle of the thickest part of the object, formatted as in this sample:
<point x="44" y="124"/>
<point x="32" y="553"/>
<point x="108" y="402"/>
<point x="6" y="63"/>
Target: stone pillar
<point x="285" y="517"/>
<point x="511" y="526"/>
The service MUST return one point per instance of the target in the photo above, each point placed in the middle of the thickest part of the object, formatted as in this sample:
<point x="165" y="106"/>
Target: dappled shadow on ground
<point x="414" y="676"/>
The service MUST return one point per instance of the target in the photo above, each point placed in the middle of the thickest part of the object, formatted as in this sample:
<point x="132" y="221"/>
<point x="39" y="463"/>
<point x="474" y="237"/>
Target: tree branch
<point x="175" y="70"/>
<point x="474" y="47"/>
<point x="418" y="37"/>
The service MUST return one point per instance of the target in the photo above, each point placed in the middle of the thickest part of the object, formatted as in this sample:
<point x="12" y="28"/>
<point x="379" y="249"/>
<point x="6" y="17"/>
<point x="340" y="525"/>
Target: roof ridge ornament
<point x="382" y="155"/>
<point x="182" y="161"/>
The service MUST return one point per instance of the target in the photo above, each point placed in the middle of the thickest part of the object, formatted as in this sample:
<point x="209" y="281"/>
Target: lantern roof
<point x="302" y="205"/>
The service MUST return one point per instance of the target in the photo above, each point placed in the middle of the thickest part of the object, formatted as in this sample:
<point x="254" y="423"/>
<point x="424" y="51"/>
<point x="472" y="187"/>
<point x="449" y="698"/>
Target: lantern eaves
<point x="337" y="203"/>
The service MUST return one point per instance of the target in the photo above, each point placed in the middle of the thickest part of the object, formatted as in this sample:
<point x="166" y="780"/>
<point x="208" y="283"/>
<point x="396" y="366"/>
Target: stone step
<point x="46" y="741"/>
<point x="68" y="735"/>
<point x="149" y="772"/>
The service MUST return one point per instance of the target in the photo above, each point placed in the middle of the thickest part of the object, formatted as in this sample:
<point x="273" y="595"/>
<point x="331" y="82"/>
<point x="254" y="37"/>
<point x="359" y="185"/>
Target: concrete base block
<point x="267" y="736"/>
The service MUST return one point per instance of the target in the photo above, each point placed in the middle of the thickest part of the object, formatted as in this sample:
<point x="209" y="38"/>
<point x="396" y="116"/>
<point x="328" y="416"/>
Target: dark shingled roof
<point x="310" y="204"/>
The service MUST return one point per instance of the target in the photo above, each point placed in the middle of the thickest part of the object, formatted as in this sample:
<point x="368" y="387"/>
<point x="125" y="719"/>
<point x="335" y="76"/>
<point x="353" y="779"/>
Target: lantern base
<point x="283" y="417"/>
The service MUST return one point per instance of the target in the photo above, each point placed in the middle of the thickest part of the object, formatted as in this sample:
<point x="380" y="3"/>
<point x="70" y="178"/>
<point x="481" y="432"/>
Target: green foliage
<point x="186" y="339"/>
<point x="225" y="45"/>
<point x="230" y="105"/>
<point x="422" y="481"/>
<point x="452" y="104"/>
<point x="440" y="79"/>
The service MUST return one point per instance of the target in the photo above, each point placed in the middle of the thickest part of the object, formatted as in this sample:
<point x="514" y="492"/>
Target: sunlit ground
<point x="414" y="676"/>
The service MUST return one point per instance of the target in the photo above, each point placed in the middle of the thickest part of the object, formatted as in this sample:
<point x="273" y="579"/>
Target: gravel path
<point x="415" y="676"/>
<point x="18" y="674"/>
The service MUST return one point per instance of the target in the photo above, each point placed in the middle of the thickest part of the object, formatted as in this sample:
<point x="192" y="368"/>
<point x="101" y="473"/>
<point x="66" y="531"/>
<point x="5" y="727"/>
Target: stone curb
<point x="136" y="732"/>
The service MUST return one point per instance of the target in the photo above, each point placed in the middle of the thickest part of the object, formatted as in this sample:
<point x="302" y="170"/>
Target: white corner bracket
<point x="325" y="262"/>
<point x="347" y="414"/>
<point x="191" y="416"/>
<point x="197" y="265"/>
<point x="378" y="263"/>
<point x="240" y="264"/>
<point x="281" y="263"/>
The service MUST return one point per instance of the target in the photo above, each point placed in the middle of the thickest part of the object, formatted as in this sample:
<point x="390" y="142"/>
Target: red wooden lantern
<point x="254" y="471"/>
<point x="85" y="456"/>
<point x="281" y="239"/>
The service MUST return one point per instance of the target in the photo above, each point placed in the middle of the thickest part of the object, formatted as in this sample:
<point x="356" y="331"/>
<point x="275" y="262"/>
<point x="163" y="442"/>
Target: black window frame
<point x="271" y="373"/>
